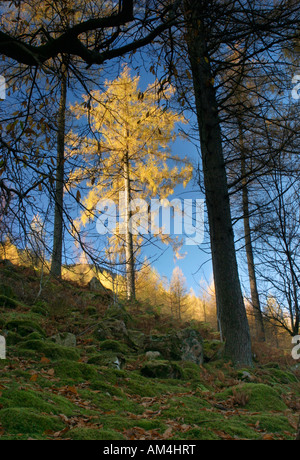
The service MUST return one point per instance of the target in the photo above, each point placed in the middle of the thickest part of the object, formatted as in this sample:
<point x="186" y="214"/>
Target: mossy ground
<point x="51" y="392"/>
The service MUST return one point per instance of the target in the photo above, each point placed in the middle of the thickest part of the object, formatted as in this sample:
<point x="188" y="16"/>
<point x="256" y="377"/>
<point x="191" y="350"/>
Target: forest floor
<point x="50" y="391"/>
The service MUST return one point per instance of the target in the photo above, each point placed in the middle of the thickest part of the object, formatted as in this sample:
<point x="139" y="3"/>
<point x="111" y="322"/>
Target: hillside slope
<point x="78" y="370"/>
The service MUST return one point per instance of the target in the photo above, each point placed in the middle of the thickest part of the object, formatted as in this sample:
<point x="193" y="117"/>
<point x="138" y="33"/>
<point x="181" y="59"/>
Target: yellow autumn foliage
<point x="126" y="122"/>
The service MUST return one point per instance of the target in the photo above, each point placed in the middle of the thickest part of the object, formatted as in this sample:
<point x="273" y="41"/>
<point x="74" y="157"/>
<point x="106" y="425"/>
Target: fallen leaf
<point x="58" y="434"/>
<point x="168" y="433"/>
<point x="223" y="435"/>
<point x="72" y="390"/>
<point x="268" y="437"/>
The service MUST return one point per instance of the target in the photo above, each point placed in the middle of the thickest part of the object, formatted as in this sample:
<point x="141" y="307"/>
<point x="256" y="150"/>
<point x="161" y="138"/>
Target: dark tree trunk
<point x="129" y="250"/>
<point x="259" y="322"/>
<point x="230" y="303"/>
<point x="56" y="265"/>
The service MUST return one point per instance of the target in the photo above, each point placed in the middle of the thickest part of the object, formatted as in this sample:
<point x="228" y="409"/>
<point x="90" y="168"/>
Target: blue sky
<point x="196" y="262"/>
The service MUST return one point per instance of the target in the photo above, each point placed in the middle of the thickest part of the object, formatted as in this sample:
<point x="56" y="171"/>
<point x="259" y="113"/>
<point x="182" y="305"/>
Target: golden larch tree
<point x="129" y="153"/>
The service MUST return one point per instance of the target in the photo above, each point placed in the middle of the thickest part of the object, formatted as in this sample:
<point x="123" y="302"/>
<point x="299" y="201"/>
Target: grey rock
<point x="152" y="355"/>
<point x="96" y="286"/>
<point x="247" y="377"/>
<point x="191" y="348"/>
<point x="185" y="345"/>
<point x="137" y="339"/>
<point x="108" y="359"/>
<point x="117" y="363"/>
<point x="118" y="313"/>
<point x="112" y="330"/>
<point x="65" y="339"/>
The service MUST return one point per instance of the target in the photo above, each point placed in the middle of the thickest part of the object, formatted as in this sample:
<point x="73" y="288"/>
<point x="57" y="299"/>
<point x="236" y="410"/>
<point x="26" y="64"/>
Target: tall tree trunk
<point x="230" y="303"/>
<point x="56" y="265"/>
<point x="259" y="322"/>
<point x="129" y="250"/>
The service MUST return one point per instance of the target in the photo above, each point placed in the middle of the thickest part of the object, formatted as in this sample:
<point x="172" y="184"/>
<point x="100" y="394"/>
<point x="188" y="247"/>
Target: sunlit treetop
<point x="129" y="128"/>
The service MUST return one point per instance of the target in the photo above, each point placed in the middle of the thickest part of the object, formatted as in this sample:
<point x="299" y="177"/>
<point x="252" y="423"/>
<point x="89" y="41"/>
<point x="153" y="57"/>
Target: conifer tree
<point x="129" y="153"/>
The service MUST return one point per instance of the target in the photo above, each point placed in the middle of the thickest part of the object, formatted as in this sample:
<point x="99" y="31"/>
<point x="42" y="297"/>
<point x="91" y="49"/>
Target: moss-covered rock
<point x="12" y="338"/>
<point x="7" y="302"/>
<point x="66" y="339"/>
<point x="137" y="339"/>
<point x="185" y="345"/>
<point x="162" y="370"/>
<point x="212" y="349"/>
<point x="74" y="371"/>
<point x="191" y="346"/>
<point x="118" y="313"/>
<point x="41" y="308"/>
<point x="245" y="375"/>
<point x="7" y="291"/>
<point x="114" y="345"/>
<point x="50" y="350"/>
<point x="111" y="330"/>
<point x="167" y="345"/>
<point x="28" y="421"/>
<point x="108" y="359"/>
<point x="24" y="327"/>
<point x="191" y="371"/>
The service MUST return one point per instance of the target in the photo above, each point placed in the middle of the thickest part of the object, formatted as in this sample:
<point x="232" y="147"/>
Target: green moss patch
<point x="28" y="421"/>
<point x="40" y="309"/>
<point x="24" y="327"/>
<point x="114" y="345"/>
<point x="89" y="434"/>
<point x="119" y="314"/>
<point x="51" y="350"/>
<point x="108" y="359"/>
<point x="254" y="397"/>
<point x="7" y="302"/>
<point x="279" y="376"/>
<point x="273" y="423"/>
<point x="6" y="291"/>
<point x="162" y="370"/>
<point x="42" y="402"/>
<point x="191" y="371"/>
<point x="73" y="371"/>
